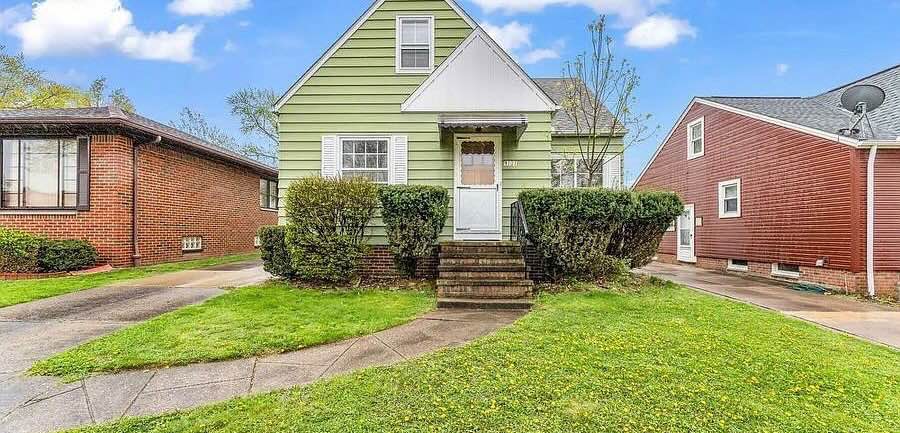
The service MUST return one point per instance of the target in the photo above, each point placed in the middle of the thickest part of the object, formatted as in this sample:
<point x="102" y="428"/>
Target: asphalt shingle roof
<point x="563" y="123"/>
<point x="823" y="112"/>
<point x="112" y="115"/>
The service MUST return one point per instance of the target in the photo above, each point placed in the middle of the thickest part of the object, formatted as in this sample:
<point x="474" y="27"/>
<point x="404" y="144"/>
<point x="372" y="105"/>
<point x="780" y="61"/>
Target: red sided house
<point x="778" y="187"/>
<point x="138" y="190"/>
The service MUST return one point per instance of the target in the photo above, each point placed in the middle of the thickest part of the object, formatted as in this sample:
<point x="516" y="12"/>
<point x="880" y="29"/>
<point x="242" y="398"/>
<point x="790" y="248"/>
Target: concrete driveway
<point x="36" y="330"/>
<point x="866" y="320"/>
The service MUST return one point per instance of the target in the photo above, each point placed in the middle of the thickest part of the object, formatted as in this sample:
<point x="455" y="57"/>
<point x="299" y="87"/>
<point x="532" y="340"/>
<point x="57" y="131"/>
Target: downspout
<point x="136" y="252"/>
<point x="870" y="221"/>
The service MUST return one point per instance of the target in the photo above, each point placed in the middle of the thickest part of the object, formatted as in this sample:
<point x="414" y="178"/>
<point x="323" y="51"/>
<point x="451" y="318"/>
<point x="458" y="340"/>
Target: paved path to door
<point x="866" y="320"/>
<point x="36" y="330"/>
<point x="52" y="406"/>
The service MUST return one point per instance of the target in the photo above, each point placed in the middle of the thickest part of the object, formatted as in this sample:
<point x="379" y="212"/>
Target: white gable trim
<point x="479" y="33"/>
<point x="852" y="142"/>
<point x="346" y="36"/>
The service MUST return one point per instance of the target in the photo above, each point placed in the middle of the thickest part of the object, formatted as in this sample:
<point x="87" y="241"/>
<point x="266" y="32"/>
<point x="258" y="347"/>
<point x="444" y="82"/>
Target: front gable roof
<point x="346" y="36"/>
<point x="479" y="76"/>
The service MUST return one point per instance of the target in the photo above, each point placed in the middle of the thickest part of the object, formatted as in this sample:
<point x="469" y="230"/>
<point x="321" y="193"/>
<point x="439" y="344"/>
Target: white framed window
<point x="785" y="270"/>
<point x="571" y="171"/>
<point x="415" y="44"/>
<point x="257" y="242"/>
<point x="696" y="142"/>
<point x="671" y="227"/>
<point x="191" y="244"/>
<point x="730" y="199"/>
<point x="365" y="157"/>
<point x="738" y="265"/>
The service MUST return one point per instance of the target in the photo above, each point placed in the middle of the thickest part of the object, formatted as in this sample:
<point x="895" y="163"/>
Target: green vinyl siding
<point x="569" y="144"/>
<point x="357" y="91"/>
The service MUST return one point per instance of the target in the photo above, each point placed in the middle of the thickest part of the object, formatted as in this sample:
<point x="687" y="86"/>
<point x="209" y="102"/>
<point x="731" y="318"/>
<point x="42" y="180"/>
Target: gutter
<point x="136" y="252"/>
<point x="870" y="221"/>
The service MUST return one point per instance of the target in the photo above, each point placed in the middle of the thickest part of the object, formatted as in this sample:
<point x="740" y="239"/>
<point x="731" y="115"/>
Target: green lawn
<point x="249" y="321"/>
<point x="664" y="360"/>
<point x="21" y="291"/>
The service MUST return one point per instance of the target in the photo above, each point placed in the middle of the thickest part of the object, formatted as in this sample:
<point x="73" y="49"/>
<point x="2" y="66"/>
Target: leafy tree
<point x="116" y="97"/>
<point x="25" y="87"/>
<point x="600" y="98"/>
<point x="193" y="122"/>
<point x="255" y="109"/>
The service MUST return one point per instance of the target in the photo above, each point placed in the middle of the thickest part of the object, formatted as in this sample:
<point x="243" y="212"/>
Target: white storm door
<point x="686" y="230"/>
<point x="478" y="187"/>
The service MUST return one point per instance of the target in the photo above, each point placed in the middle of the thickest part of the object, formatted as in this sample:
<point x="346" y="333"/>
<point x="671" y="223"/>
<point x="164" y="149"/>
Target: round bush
<point x="67" y="256"/>
<point x="20" y="252"/>
<point x="414" y="216"/>
<point x="275" y="255"/>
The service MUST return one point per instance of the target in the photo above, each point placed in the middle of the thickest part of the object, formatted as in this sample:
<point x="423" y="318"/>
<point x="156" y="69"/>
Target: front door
<point x="686" y="230"/>
<point x="478" y="189"/>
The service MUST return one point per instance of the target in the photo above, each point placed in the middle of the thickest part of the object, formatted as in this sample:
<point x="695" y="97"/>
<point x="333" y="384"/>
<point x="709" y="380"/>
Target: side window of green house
<point x="571" y="171"/>
<point x="415" y="44"/>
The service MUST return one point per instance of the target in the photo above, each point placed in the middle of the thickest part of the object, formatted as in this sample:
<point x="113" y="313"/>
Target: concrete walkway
<point x="37" y="330"/>
<point x="866" y="320"/>
<point x="43" y="404"/>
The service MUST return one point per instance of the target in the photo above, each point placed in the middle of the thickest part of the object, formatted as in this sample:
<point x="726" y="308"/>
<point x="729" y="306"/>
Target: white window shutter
<point x="329" y="156"/>
<point x="612" y="171"/>
<point x="399" y="160"/>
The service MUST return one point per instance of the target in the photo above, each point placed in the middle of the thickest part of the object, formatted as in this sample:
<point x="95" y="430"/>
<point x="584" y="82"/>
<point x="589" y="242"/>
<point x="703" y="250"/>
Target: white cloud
<point x="13" y="15"/>
<point x="658" y="31"/>
<point x="648" y="28"/>
<point x="781" y="69"/>
<point x="515" y="37"/>
<point x="210" y="8"/>
<point x="539" y="55"/>
<point x="66" y="27"/>
<point x="230" y="46"/>
<point x="627" y="9"/>
<point x="511" y="36"/>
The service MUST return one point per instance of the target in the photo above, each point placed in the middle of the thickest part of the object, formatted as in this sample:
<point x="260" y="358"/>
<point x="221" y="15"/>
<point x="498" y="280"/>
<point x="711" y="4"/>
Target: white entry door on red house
<point x="686" y="235"/>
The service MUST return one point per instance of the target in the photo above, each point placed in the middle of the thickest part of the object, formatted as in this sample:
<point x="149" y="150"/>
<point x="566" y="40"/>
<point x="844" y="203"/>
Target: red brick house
<point x="138" y="190"/>
<point x="776" y="187"/>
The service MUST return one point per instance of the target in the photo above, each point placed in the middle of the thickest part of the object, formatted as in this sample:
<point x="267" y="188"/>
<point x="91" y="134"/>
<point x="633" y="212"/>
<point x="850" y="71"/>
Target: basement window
<point x="785" y="270"/>
<point x="738" y="265"/>
<point x="191" y="244"/>
<point x="415" y="44"/>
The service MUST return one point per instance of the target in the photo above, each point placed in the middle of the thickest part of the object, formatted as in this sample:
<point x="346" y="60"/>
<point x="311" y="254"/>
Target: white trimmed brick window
<point x="191" y="244"/>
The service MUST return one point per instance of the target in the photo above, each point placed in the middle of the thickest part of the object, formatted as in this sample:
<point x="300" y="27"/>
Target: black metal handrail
<point x="518" y="225"/>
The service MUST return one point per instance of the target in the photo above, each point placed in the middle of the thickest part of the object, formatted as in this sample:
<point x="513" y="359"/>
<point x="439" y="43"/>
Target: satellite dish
<point x="869" y="95"/>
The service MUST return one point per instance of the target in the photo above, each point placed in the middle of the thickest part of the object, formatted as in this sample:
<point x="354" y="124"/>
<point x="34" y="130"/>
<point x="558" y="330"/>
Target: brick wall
<point x="184" y="195"/>
<point x="107" y="225"/>
<point x="834" y="279"/>
<point x="180" y="195"/>
<point x="379" y="265"/>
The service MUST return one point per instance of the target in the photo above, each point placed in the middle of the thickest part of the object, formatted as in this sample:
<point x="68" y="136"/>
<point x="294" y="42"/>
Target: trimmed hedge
<point x="571" y="228"/>
<point x="67" y="256"/>
<point x="327" y="222"/>
<point x="22" y="252"/>
<point x="637" y="241"/>
<point x="414" y="216"/>
<point x="275" y="254"/>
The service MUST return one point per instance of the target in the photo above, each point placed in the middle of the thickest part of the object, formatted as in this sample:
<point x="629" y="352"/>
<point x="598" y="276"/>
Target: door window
<point x="478" y="164"/>
<point x="685" y="229"/>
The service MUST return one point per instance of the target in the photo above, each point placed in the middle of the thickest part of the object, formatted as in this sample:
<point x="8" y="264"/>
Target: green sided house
<point x="417" y="92"/>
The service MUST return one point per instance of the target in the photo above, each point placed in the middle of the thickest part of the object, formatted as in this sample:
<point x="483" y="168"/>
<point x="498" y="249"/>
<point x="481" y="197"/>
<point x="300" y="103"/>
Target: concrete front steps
<point x="483" y="275"/>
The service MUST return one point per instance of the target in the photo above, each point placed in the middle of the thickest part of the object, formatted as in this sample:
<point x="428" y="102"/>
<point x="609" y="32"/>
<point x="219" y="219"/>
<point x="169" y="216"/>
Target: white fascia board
<point x="479" y="33"/>
<point x="346" y="36"/>
<point x="852" y="142"/>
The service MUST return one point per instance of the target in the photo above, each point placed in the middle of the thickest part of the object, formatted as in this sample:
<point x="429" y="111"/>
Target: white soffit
<point x="479" y="77"/>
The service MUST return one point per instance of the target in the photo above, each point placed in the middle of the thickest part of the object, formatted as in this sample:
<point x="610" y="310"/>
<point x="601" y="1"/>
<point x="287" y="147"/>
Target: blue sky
<point x="168" y="54"/>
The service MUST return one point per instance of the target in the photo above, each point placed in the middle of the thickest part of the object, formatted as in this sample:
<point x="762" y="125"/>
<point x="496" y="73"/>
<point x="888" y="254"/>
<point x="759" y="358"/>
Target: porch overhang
<point x="516" y="123"/>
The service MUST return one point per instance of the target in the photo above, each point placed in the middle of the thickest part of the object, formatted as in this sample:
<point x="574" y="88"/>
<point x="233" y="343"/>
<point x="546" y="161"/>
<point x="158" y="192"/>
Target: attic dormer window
<point x="415" y="44"/>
